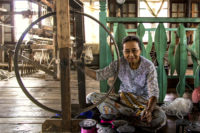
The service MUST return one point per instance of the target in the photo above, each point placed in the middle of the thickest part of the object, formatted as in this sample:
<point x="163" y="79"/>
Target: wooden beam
<point x="63" y="27"/>
<point x="12" y="21"/>
<point x="2" y="53"/>
<point x="55" y="125"/>
<point x="38" y="46"/>
<point x="41" y="32"/>
<point x="48" y="28"/>
<point x="153" y="20"/>
<point x="63" y="38"/>
<point x="10" y="61"/>
<point x="80" y="39"/>
<point x="167" y="29"/>
<point x="105" y="56"/>
<point x="5" y="1"/>
<point x="48" y="4"/>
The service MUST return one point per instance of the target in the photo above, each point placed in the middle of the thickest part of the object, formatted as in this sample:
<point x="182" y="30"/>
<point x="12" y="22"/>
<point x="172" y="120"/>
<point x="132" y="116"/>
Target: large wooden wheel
<point x="18" y="55"/>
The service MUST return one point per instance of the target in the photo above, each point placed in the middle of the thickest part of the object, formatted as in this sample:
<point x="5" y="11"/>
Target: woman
<point x="139" y="87"/>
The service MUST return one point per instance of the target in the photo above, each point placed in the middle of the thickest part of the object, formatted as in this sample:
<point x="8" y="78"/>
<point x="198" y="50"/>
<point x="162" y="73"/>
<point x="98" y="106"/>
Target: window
<point x="128" y="9"/>
<point x="7" y="20"/>
<point x="144" y="11"/>
<point x="194" y="14"/>
<point x="91" y="27"/>
<point x="177" y="10"/>
<point x="195" y="10"/>
<point x="21" y="22"/>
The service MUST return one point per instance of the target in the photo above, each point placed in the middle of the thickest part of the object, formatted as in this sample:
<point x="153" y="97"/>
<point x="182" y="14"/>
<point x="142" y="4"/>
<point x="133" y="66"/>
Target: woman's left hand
<point x="147" y="115"/>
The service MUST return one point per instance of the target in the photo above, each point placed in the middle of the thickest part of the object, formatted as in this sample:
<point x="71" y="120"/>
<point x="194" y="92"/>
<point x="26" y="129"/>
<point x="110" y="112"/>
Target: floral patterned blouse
<point x="141" y="81"/>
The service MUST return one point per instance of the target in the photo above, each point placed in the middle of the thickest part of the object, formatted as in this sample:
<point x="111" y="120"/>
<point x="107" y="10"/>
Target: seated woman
<point x="138" y="91"/>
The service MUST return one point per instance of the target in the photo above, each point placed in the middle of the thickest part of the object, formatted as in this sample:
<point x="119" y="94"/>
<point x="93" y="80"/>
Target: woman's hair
<point x="132" y="38"/>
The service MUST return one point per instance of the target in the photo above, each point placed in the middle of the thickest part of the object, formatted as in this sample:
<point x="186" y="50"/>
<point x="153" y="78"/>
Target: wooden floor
<point x="19" y="114"/>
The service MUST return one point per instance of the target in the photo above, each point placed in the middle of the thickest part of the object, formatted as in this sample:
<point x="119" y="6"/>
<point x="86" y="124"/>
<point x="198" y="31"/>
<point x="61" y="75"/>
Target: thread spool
<point x="88" y="126"/>
<point x="105" y="128"/>
<point x="107" y="118"/>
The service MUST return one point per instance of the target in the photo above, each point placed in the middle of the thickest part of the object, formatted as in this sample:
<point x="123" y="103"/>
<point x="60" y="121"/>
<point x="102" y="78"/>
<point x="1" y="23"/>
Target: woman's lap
<point x="112" y="105"/>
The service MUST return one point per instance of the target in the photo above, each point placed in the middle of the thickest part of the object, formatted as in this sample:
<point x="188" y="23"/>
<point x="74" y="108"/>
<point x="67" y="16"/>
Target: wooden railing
<point x="177" y="57"/>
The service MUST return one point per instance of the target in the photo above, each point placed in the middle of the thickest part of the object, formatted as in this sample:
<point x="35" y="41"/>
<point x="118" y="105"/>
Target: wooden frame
<point x="115" y="8"/>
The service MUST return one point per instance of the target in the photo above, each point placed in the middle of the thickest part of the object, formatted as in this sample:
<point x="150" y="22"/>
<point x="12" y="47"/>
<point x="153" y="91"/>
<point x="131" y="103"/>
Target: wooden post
<point x="12" y="21"/>
<point x="2" y="43"/>
<point x="39" y="13"/>
<point x="10" y="61"/>
<point x="63" y="37"/>
<point x="80" y="39"/>
<point x="104" y="53"/>
<point x="55" y="50"/>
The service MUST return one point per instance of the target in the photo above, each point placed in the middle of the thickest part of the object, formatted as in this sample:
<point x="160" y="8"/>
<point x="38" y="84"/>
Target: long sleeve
<point x="152" y="83"/>
<point x="105" y="73"/>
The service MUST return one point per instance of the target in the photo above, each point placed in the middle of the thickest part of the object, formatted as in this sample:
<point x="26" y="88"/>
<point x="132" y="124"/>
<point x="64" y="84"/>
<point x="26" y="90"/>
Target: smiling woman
<point x="132" y="51"/>
<point x="138" y="91"/>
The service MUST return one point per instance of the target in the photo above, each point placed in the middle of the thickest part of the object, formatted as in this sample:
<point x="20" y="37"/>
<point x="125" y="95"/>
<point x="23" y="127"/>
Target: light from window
<point x="91" y="27"/>
<point x="144" y="12"/>
<point x="22" y="23"/>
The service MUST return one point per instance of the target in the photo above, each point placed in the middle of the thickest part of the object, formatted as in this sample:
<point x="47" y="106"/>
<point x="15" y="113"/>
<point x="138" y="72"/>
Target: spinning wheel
<point x="18" y="56"/>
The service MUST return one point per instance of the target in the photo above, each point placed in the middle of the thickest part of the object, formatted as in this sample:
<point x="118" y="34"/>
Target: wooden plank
<point x="22" y="128"/>
<point x="10" y="61"/>
<point x="63" y="23"/>
<point x="105" y="52"/>
<point x="41" y="46"/>
<point x="41" y="32"/>
<point x="80" y="39"/>
<point x="22" y="120"/>
<point x="65" y="88"/>
<point x="48" y="28"/>
<point x="53" y="125"/>
<point x="167" y="29"/>
<point x="152" y="20"/>
<point x="18" y="109"/>
<point x="42" y="84"/>
<point x="63" y="38"/>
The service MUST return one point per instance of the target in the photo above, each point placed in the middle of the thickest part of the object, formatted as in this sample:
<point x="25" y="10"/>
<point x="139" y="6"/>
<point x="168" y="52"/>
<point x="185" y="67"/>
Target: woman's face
<point x="131" y="51"/>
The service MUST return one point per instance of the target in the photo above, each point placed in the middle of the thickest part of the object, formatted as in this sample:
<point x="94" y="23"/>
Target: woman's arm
<point x="153" y="92"/>
<point x="90" y="72"/>
<point x="151" y="103"/>
<point x="147" y="115"/>
<point x="102" y="74"/>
